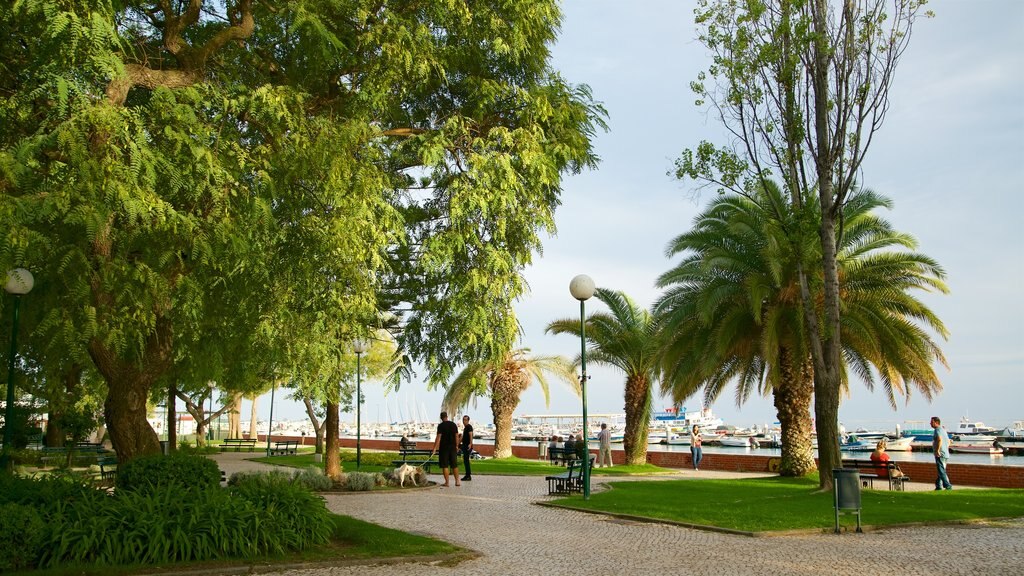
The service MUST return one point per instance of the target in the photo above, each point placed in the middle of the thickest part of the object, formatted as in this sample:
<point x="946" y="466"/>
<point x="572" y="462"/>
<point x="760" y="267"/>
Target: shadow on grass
<point x="783" y="504"/>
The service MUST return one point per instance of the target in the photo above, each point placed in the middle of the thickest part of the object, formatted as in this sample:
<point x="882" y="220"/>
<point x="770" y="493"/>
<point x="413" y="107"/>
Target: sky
<point x="950" y="155"/>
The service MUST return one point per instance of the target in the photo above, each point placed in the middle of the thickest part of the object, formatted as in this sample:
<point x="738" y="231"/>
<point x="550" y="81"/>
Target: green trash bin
<point x="846" y="493"/>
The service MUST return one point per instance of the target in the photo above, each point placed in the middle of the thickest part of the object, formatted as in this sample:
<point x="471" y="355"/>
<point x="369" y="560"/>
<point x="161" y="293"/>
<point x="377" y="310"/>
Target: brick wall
<point x="990" y="475"/>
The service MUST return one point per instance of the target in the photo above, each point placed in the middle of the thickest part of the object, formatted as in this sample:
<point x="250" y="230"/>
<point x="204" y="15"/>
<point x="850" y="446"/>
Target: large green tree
<point x="198" y="182"/>
<point x="504" y="381"/>
<point x="623" y="337"/>
<point x="732" y="310"/>
<point x="802" y="86"/>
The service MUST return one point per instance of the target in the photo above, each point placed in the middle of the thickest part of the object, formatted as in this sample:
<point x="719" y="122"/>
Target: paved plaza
<point x="497" y="517"/>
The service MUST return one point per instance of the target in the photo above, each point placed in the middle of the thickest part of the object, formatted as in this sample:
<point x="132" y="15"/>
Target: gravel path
<point x="497" y="517"/>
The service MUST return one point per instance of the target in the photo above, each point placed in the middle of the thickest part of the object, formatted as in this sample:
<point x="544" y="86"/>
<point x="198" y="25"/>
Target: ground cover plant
<point x="61" y="524"/>
<point x="771" y="504"/>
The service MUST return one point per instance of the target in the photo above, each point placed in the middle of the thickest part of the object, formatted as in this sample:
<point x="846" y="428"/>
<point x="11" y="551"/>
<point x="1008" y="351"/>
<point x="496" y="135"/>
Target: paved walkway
<point x="496" y="516"/>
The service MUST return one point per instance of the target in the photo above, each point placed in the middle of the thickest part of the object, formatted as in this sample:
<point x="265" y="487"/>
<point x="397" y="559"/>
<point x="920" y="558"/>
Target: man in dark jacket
<point x="467" y="446"/>
<point x="446" y="446"/>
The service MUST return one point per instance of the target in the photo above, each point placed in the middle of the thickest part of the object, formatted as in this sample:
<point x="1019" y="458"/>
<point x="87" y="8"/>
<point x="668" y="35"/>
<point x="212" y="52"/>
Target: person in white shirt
<point x="604" y="452"/>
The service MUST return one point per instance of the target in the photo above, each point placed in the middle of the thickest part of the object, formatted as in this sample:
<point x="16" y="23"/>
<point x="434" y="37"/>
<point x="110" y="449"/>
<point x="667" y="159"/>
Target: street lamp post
<point x="582" y="288"/>
<point x="209" y="413"/>
<point x="359" y="346"/>
<point x="19" y="283"/>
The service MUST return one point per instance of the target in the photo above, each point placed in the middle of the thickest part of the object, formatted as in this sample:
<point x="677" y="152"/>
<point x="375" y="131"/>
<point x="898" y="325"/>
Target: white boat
<point x="678" y="440"/>
<point x="737" y="441"/>
<point x="904" y="444"/>
<point x="976" y="438"/>
<point x="964" y="448"/>
<point x="968" y="427"/>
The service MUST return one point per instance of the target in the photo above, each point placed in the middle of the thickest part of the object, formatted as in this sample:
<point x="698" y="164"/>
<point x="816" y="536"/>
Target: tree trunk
<point x="332" y="460"/>
<point x="235" y="416"/>
<point x="638" y="403"/>
<point x="252" y="419"/>
<point x="827" y="366"/>
<point x="125" y="413"/>
<point x="55" y="435"/>
<point x="793" y="407"/>
<point x="318" y="427"/>
<point x="506" y="386"/>
<point x="320" y="437"/>
<point x="172" y="418"/>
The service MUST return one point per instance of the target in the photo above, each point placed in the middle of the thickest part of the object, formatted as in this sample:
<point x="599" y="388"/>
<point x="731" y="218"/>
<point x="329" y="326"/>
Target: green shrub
<point x="313" y="478"/>
<point x="148" y="472"/>
<point x="361" y="481"/>
<point x="299" y="517"/>
<point x="186" y="448"/>
<point x="43" y="491"/>
<point x="174" y="524"/>
<point x="22" y="535"/>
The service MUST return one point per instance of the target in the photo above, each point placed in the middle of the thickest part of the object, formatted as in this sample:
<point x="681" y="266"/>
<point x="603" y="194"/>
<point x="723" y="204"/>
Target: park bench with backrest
<point x="284" y="447"/>
<point x="871" y="470"/>
<point x="237" y="444"/>
<point x="569" y="481"/>
<point x="416" y="457"/>
<point x="561" y="455"/>
<point x="108" y="468"/>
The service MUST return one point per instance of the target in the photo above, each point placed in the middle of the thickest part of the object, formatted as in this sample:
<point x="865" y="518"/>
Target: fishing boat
<point x="971" y="428"/>
<point x="737" y="441"/>
<point x="1012" y="438"/>
<point x="964" y="448"/>
<point x="902" y="444"/>
<point x="678" y="440"/>
<point x="857" y="445"/>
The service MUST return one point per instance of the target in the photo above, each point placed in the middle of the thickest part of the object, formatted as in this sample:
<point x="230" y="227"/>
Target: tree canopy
<point x="230" y="190"/>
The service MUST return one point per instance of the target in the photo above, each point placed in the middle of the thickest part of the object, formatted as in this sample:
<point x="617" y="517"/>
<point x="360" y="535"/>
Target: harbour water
<point x="1005" y="460"/>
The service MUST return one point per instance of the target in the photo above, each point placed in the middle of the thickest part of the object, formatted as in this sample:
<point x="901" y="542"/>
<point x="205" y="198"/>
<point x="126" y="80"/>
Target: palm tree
<point x="732" y="308"/>
<point x="624" y="337"/>
<point x="732" y="312"/>
<point x="504" y="381"/>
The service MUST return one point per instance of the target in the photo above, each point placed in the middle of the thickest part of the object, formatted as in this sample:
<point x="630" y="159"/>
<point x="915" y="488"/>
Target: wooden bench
<point x="561" y="455"/>
<point x="238" y="443"/>
<point x="869" y="469"/>
<point x="284" y="447"/>
<point x="416" y="457"/>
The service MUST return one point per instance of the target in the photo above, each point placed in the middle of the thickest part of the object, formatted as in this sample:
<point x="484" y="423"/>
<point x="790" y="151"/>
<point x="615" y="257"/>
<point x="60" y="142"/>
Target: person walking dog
<point x="445" y="445"/>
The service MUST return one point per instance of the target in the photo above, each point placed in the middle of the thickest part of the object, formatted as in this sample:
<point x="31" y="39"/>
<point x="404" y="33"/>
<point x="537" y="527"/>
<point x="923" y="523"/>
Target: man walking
<point x="604" y="449"/>
<point x="445" y="445"/>
<point x="467" y="446"/>
<point x="940" y="447"/>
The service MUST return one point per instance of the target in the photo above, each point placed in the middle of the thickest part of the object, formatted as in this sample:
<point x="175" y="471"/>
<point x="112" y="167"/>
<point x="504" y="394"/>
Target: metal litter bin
<point x="165" y="447"/>
<point x="542" y="450"/>
<point x="846" y="492"/>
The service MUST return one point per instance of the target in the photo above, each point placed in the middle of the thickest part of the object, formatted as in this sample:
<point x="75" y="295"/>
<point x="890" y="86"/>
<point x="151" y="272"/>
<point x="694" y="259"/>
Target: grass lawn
<point x="770" y="504"/>
<point x="380" y="461"/>
<point x="352" y="540"/>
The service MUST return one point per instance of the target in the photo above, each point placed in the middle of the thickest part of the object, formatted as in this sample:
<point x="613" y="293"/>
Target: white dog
<point x="405" y="471"/>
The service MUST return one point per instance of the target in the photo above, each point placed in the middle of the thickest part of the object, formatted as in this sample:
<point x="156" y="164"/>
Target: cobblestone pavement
<point x="496" y="516"/>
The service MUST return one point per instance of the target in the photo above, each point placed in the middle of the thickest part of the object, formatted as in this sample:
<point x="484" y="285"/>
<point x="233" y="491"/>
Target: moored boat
<point x="735" y="441"/>
<point x="965" y="448"/>
<point x="903" y="444"/>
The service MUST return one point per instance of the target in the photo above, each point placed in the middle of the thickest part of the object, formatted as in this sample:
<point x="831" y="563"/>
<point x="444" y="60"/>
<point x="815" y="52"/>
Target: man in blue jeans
<point x="940" y="447"/>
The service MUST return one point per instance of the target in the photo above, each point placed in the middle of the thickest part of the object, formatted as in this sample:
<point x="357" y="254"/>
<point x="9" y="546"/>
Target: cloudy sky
<point x="950" y="155"/>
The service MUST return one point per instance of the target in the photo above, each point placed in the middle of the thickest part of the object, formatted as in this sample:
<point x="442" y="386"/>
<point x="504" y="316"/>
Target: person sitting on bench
<point x="882" y="457"/>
